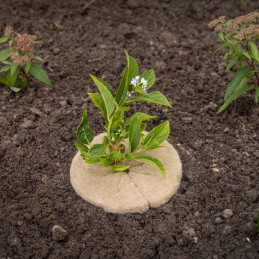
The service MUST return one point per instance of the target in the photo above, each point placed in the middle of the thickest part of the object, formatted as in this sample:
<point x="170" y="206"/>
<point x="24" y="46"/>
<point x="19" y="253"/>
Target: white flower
<point x="144" y="82"/>
<point x="137" y="77"/>
<point x="134" y="81"/>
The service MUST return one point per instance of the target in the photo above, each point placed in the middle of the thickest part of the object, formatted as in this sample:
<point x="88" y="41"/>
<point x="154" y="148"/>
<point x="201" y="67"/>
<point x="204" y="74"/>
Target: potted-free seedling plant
<point x="112" y="152"/>
<point x="240" y="37"/>
<point x="21" y="52"/>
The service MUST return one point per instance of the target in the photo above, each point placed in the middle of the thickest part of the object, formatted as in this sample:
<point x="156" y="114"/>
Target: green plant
<point x="112" y="153"/>
<point x="57" y="25"/>
<point x="21" y="52"/>
<point x="245" y="2"/>
<point x="172" y="12"/>
<point x="240" y="37"/>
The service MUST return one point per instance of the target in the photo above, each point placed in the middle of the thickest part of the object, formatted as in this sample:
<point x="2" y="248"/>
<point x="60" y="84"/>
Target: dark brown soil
<point x="38" y="133"/>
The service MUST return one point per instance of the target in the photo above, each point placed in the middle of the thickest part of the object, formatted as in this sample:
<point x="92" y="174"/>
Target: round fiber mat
<point x="144" y="186"/>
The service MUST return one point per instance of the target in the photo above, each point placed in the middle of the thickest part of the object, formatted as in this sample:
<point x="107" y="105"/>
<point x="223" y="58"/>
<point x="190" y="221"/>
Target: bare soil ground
<point x="38" y="126"/>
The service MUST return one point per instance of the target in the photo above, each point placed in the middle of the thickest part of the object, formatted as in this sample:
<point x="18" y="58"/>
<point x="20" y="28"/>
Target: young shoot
<point x="112" y="152"/>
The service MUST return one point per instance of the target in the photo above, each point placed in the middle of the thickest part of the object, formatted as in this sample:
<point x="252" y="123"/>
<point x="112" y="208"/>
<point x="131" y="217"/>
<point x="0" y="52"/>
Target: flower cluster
<point x="134" y="82"/>
<point x="21" y="60"/>
<point x="244" y="20"/>
<point x="244" y="27"/>
<point x="217" y="23"/>
<point x="8" y="31"/>
<point x="24" y="43"/>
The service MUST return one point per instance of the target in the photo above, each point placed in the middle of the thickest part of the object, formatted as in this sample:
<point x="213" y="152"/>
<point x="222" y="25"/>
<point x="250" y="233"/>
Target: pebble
<point x="59" y="233"/>
<point x="226" y="130"/>
<point x="133" y="4"/>
<point x="56" y="51"/>
<point x="195" y="239"/>
<point x="15" y="242"/>
<point x="169" y="38"/>
<point x="160" y="64"/>
<point x="191" y="232"/>
<point x="215" y="170"/>
<point x="165" y="110"/>
<point x="218" y="220"/>
<point x="28" y="124"/>
<point x="227" y="213"/>
<point x="63" y="103"/>
<point x="197" y="144"/>
<point x="211" y="106"/>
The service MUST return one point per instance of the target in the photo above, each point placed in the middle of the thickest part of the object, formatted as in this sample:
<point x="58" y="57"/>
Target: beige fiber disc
<point x="119" y="192"/>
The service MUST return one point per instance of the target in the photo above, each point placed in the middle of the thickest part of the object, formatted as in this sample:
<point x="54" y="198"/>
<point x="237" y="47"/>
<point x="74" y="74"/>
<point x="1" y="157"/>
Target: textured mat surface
<point x="119" y="192"/>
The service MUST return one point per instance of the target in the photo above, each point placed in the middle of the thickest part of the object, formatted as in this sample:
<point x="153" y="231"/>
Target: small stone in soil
<point x="195" y="239"/>
<point x="218" y="220"/>
<point x="191" y="232"/>
<point x="59" y="233"/>
<point x="56" y="51"/>
<point x="227" y="213"/>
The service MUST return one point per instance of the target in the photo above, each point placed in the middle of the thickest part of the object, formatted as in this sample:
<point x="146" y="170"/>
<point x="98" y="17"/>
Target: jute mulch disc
<point x="144" y="186"/>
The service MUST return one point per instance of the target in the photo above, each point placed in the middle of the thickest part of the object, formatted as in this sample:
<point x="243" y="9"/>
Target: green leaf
<point x="143" y="126"/>
<point x="129" y="156"/>
<point x="246" y="55"/>
<point x="5" y="68"/>
<point x="106" y="95"/>
<point x="38" y="58"/>
<point x="134" y="135"/>
<point x="7" y="62"/>
<point x="221" y="36"/>
<point x="25" y="83"/>
<point x="152" y="161"/>
<point x="157" y="135"/>
<point x="254" y="50"/>
<point x="140" y="90"/>
<point x="39" y="73"/>
<point x="150" y="147"/>
<point x="104" y="162"/>
<point x="15" y="89"/>
<point x="38" y="42"/>
<point x="140" y="116"/>
<point x="4" y="39"/>
<point x="98" y="101"/>
<point x="13" y="69"/>
<point x="231" y="63"/>
<point x="105" y="140"/>
<point x="149" y="75"/>
<point x="234" y="96"/>
<point x="84" y="133"/>
<point x="97" y="150"/>
<point x="27" y="67"/>
<point x="256" y="94"/>
<point x="124" y="109"/>
<point x="227" y="54"/>
<point x="10" y="43"/>
<point x="240" y="76"/>
<point x="119" y="168"/>
<point x="92" y="161"/>
<point x="107" y="86"/>
<point x="116" y="155"/>
<point x="11" y="79"/>
<point x="4" y="54"/>
<point x="82" y="148"/>
<point x="222" y="46"/>
<point x="154" y="97"/>
<point x="130" y="72"/>
<point x="4" y="80"/>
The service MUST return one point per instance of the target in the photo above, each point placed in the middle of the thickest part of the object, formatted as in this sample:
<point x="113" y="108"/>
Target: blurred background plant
<point x="21" y="52"/>
<point x="240" y="37"/>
